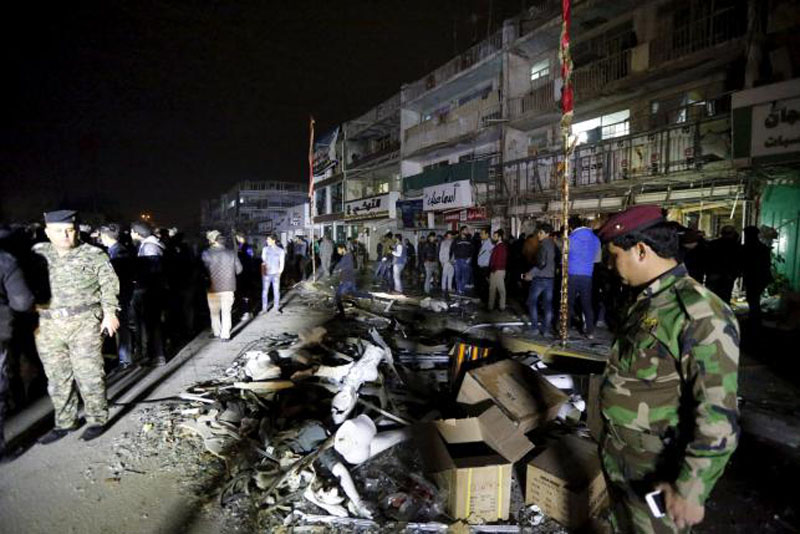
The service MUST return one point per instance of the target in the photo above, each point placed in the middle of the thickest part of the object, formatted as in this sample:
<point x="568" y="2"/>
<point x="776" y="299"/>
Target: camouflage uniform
<point x="668" y="399"/>
<point x="83" y="287"/>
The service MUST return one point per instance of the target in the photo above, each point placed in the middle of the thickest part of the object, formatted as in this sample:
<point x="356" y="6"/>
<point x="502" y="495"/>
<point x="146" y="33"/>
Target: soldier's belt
<point x="63" y="313"/>
<point x="636" y="440"/>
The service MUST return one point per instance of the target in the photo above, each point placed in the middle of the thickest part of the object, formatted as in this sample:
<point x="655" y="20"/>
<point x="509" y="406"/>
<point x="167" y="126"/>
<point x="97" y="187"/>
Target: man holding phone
<point x="82" y="305"/>
<point x="668" y="397"/>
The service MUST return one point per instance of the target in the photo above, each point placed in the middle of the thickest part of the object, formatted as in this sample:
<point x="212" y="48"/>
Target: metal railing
<point x="467" y="119"/>
<point x="654" y="154"/>
<point x="589" y="80"/>
<point x="460" y="63"/>
<point x="363" y="159"/>
<point x="698" y="35"/>
<point x="383" y="110"/>
<point x="539" y="100"/>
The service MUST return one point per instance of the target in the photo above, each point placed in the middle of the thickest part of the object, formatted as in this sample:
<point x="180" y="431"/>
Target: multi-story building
<point x="652" y="84"/>
<point x="451" y="132"/>
<point x="252" y="208"/>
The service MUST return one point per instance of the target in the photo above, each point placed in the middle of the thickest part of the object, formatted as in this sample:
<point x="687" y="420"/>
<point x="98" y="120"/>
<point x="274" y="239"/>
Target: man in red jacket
<point x="497" y="270"/>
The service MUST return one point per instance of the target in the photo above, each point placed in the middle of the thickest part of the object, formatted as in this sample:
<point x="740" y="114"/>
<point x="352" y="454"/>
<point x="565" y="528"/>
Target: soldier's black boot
<point x="54" y="435"/>
<point x="94" y="431"/>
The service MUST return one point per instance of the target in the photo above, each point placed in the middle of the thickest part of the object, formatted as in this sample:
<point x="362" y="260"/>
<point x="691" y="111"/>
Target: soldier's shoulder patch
<point x="699" y="302"/>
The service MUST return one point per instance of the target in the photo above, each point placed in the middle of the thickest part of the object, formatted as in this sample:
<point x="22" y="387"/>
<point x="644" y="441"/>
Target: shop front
<point x="368" y="219"/>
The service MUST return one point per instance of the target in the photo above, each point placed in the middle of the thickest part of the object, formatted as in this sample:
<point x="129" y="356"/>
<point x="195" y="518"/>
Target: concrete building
<point x="652" y="82"/>
<point x="451" y="131"/>
<point x="252" y="207"/>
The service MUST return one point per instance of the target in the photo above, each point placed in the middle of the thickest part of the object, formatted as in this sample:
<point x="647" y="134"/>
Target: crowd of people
<point x="490" y="266"/>
<point x="163" y="280"/>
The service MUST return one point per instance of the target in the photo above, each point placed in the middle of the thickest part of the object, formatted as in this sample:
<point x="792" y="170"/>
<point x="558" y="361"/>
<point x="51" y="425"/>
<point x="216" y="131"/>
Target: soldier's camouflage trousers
<point x="71" y="351"/>
<point x="629" y="477"/>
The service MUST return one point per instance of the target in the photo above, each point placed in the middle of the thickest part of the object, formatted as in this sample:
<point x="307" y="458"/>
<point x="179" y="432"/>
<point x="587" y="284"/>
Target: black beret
<point x="60" y="216"/>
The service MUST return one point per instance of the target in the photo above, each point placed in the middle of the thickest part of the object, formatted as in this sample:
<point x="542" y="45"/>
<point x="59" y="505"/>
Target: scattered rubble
<point x="364" y="425"/>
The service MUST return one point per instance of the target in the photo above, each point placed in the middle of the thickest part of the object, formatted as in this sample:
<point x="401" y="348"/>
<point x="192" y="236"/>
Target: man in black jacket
<point x="429" y="257"/>
<point x="14" y="297"/>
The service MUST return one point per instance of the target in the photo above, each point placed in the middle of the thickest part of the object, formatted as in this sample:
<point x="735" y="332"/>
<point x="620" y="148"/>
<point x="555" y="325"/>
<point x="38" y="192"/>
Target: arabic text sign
<point x="371" y="207"/>
<point x="776" y="128"/>
<point x="447" y="196"/>
<point x="467" y="215"/>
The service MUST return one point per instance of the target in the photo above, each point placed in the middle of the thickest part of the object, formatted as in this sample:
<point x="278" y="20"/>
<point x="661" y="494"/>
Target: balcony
<point x="363" y="160"/>
<point x="588" y="81"/>
<point x="385" y="110"/>
<point x="460" y="63"/>
<point x="460" y="122"/>
<point x="646" y="157"/>
<point x="698" y="35"/>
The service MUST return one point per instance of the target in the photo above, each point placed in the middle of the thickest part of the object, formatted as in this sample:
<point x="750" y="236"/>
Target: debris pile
<point x="370" y="424"/>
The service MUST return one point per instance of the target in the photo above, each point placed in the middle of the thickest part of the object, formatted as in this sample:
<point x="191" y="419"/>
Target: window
<point x="540" y="70"/>
<point x="606" y="127"/>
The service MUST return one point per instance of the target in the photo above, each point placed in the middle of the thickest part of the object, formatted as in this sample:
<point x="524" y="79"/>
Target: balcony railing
<point x="655" y="154"/>
<point x="539" y="100"/>
<point x="460" y="63"/>
<point x="364" y="159"/>
<point x="467" y="119"/>
<point x="698" y="35"/>
<point x="589" y="81"/>
<point x="383" y="110"/>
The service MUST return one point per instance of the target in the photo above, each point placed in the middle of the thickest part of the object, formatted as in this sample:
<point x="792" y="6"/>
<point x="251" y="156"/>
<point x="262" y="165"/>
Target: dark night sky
<point x="158" y="105"/>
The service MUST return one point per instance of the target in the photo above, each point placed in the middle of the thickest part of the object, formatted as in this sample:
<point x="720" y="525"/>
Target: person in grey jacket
<point x="325" y="255"/>
<point x="14" y="297"/>
<point x="541" y="277"/>
<point x="222" y="265"/>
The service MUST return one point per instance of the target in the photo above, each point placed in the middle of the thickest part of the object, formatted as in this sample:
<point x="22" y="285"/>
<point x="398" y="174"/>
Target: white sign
<point x="447" y="196"/>
<point x="372" y="207"/>
<point x="776" y="128"/>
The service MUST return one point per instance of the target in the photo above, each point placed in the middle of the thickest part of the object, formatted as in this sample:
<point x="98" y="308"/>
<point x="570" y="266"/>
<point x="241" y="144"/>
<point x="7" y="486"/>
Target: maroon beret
<point x="634" y="218"/>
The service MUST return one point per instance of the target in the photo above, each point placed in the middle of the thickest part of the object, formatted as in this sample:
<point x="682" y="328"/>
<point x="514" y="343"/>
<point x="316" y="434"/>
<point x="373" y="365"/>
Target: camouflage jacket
<point x="82" y="276"/>
<point x="672" y="378"/>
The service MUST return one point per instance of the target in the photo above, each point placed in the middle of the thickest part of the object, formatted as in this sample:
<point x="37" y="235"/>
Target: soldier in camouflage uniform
<point x="668" y="397"/>
<point x="83" y="303"/>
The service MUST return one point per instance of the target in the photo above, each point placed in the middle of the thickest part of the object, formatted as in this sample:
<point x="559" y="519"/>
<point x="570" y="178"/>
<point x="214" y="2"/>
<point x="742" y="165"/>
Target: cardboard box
<point x="566" y="481"/>
<point x="521" y="394"/>
<point x="477" y="479"/>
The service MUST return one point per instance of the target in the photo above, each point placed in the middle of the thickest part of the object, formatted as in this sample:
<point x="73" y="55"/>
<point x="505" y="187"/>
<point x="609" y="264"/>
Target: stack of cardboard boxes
<point x="472" y="457"/>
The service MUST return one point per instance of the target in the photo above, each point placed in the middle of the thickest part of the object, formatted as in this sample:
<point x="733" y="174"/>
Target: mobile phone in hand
<point x="655" y="501"/>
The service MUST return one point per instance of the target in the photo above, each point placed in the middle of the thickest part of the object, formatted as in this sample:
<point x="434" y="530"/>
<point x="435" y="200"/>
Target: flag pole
<point x="313" y="204"/>
<point x="566" y="133"/>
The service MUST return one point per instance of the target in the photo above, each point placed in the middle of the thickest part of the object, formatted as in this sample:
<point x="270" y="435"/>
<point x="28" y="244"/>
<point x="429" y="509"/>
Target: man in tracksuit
<point x="345" y="269"/>
<point x="584" y="246"/>
<point x="462" y="254"/>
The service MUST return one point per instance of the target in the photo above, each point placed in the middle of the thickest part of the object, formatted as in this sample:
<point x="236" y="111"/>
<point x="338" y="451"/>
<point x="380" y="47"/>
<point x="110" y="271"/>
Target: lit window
<point x="540" y="70"/>
<point x="606" y="127"/>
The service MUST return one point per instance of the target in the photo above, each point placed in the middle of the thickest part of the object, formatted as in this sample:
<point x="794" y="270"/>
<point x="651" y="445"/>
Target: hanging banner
<point x="412" y="214"/>
<point x="372" y="207"/>
<point x="325" y="152"/>
<point x="447" y="196"/>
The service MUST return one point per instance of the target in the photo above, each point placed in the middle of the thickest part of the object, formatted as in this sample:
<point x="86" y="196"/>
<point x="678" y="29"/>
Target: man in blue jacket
<point x="584" y="246"/>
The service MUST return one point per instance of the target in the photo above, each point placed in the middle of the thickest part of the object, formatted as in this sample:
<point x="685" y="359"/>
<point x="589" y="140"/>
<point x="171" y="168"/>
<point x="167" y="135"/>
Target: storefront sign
<point x="412" y="214"/>
<point x="371" y="207"/>
<point x="467" y="215"/>
<point x="447" y="196"/>
<point x="776" y="128"/>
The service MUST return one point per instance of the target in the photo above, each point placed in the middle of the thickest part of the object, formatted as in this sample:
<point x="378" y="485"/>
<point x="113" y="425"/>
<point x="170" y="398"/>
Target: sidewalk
<point x="69" y="486"/>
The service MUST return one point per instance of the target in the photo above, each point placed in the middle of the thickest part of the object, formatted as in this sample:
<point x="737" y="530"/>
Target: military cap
<point x="60" y="216"/>
<point x="635" y="218"/>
